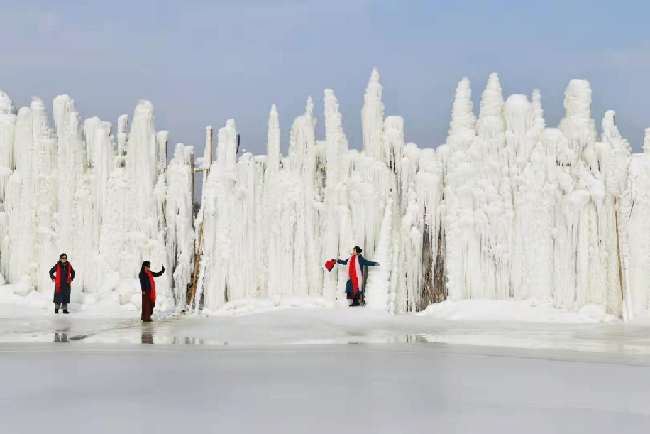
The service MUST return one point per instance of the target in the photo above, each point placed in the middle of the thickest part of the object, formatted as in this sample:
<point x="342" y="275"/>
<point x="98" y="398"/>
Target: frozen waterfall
<point x="69" y="189"/>
<point x="506" y="208"/>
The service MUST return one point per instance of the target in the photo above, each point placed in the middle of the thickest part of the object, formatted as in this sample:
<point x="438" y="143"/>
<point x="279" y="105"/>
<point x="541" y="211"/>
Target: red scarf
<point x="353" y="273"/>
<point x="57" y="282"/>
<point x="153" y="285"/>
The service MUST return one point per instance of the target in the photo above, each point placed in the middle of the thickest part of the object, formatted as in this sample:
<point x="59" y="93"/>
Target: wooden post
<point x="197" y="259"/>
<point x="618" y="254"/>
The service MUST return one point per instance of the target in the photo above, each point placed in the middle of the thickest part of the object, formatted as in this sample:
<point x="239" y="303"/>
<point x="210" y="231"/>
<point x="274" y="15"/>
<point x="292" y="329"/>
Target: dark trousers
<point x="147" y="306"/>
<point x="57" y="306"/>
<point x="355" y="298"/>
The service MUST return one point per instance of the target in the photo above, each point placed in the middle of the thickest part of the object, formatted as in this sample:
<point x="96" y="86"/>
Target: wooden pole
<point x="197" y="258"/>
<point x="618" y="254"/>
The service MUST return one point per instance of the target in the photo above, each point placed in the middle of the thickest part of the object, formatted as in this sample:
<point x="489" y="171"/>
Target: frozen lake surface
<point x="248" y="373"/>
<point x="324" y="326"/>
<point x="318" y="389"/>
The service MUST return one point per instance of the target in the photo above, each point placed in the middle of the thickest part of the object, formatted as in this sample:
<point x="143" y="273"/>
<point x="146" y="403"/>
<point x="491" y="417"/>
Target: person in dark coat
<point x="148" y="287"/>
<point x="62" y="274"/>
<point x="355" y="264"/>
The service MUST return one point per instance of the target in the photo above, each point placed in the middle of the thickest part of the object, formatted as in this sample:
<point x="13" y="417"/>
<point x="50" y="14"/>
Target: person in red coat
<point x="148" y="286"/>
<point x="62" y="274"/>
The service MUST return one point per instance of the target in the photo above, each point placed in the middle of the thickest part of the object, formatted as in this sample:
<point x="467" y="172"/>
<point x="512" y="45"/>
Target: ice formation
<point x="68" y="189"/>
<point x="506" y="208"/>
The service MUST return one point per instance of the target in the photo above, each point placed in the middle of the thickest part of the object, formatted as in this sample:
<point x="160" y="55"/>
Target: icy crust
<point x="506" y="209"/>
<point x="68" y="189"/>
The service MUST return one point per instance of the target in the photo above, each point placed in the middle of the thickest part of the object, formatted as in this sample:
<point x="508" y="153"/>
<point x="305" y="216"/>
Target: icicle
<point x="635" y="240"/>
<point x="372" y="115"/>
<point x="180" y="234"/>
<point x="461" y="127"/>
<point x="577" y="125"/>
<point x="122" y="135"/>
<point x="490" y="122"/>
<point x="273" y="144"/>
<point x="142" y="168"/>
<point x="335" y="193"/>
<point x="7" y="131"/>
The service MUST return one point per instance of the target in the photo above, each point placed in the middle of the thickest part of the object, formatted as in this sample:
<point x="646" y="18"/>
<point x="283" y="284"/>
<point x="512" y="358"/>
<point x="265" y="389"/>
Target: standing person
<point x="62" y="274"/>
<point x="148" y="286"/>
<point x="354" y="285"/>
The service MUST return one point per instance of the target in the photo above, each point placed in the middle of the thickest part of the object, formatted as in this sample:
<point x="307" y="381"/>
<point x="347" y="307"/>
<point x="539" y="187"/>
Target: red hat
<point x="329" y="265"/>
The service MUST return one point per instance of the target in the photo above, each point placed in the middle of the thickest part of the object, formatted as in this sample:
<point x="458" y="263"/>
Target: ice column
<point x="372" y="116"/>
<point x="141" y="167"/>
<point x="637" y="230"/>
<point x="335" y="193"/>
<point x="180" y="233"/>
<point x="273" y="143"/>
<point x="7" y="130"/>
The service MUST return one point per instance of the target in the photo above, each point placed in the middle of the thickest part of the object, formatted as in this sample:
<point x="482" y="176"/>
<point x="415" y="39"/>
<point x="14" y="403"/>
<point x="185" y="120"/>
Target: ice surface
<point x="273" y="371"/>
<point x="254" y="383"/>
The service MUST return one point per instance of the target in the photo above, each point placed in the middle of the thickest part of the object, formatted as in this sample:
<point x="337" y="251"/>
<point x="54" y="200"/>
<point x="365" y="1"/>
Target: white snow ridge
<point x="505" y="209"/>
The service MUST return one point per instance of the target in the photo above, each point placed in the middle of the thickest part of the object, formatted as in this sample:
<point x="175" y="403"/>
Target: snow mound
<point x="515" y="310"/>
<point x="254" y="305"/>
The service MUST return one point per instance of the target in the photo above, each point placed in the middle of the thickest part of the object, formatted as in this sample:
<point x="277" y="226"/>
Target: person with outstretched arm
<point x="148" y="287"/>
<point x="62" y="274"/>
<point x="354" y="285"/>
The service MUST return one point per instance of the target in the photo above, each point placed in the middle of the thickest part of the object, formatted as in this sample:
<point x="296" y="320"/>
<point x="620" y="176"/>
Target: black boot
<point x="65" y="311"/>
<point x="56" y="310"/>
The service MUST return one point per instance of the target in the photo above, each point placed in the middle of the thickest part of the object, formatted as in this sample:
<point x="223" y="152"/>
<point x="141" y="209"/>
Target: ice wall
<point x="635" y="206"/>
<point x="506" y="208"/>
<point x="68" y="189"/>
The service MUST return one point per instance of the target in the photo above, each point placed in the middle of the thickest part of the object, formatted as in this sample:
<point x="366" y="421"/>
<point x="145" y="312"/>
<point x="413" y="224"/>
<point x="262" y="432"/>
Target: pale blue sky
<point x="202" y="62"/>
